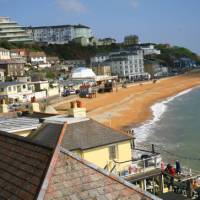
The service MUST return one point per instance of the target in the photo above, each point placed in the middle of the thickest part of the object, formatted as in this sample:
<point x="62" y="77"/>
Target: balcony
<point x="144" y="164"/>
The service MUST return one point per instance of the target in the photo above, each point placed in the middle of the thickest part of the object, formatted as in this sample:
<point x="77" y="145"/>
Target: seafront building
<point x="126" y="64"/>
<point x="12" y="31"/>
<point x="60" y="34"/>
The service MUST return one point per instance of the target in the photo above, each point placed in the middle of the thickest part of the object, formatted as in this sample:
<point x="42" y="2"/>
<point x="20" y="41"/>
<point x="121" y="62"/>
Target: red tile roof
<point x="31" y="171"/>
<point x="75" y="178"/>
<point x="22" y="167"/>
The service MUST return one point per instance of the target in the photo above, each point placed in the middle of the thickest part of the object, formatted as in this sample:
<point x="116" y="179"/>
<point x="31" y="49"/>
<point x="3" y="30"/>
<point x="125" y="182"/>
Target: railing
<point x="133" y="167"/>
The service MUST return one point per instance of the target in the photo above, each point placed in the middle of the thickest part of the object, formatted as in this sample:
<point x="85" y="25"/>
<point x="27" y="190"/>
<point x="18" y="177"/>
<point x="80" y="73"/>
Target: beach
<point x="130" y="107"/>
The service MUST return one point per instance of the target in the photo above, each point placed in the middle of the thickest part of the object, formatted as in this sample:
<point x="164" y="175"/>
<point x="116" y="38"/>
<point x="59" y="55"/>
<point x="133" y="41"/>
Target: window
<point x="9" y="89"/>
<point x="112" y="152"/>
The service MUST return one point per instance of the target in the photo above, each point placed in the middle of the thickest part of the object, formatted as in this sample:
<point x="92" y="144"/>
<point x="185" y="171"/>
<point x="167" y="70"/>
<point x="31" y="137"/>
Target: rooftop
<point x="84" y="134"/>
<point x="17" y="124"/>
<point x="58" y="26"/>
<point x="29" y="170"/>
<point x="2" y="49"/>
<point x="6" y="84"/>
<point x="22" y="167"/>
<point x="36" y="54"/>
<point x="12" y="61"/>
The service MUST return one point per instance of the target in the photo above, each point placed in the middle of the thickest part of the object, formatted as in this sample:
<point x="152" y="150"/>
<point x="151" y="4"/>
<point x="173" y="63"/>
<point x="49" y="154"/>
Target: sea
<point x="174" y="129"/>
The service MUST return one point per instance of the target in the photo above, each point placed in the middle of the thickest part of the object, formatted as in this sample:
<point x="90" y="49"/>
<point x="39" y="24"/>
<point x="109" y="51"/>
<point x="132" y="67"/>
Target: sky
<point x="176" y="22"/>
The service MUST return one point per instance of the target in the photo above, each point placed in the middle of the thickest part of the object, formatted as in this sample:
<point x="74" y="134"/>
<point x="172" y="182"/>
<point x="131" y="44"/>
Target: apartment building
<point x="99" y="58"/>
<point x="60" y="34"/>
<point x="149" y="49"/>
<point x="4" y="54"/>
<point x="12" y="31"/>
<point x="127" y="64"/>
<point x="13" y="68"/>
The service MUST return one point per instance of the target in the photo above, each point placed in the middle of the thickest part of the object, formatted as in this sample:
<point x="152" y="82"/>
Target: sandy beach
<point x="129" y="107"/>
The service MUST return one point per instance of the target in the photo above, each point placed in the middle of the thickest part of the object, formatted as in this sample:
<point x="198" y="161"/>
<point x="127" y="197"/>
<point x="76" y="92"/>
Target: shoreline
<point x="131" y="107"/>
<point x="157" y="111"/>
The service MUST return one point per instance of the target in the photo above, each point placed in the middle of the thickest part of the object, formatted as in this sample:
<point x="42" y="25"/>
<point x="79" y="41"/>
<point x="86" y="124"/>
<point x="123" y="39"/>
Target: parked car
<point x="68" y="92"/>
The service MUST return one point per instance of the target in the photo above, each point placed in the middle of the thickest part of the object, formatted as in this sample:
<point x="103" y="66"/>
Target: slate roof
<point x="11" y="83"/>
<point x="76" y="179"/>
<point x="22" y="167"/>
<point x="47" y="135"/>
<point x="83" y="135"/>
<point x="90" y="134"/>
<point x="30" y="171"/>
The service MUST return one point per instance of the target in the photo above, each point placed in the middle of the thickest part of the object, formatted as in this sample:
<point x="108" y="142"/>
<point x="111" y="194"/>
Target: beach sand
<point x="129" y="107"/>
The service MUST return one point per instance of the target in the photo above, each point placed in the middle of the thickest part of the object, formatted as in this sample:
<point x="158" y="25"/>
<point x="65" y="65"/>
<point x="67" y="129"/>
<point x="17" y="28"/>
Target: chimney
<point x="77" y="109"/>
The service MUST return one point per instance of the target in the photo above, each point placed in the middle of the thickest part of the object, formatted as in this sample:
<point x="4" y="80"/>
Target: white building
<point x="99" y="58"/>
<point x="127" y="64"/>
<point x="2" y="75"/>
<point x="12" y="31"/>
<point x="37" y="57"/>
<point x="70" y="64"/>
<point x="4" y="54"/>
<point x="15" y="91"/>
<point x="149" y="49"/>
<point x="58" y="34"/>
<point x="106" y="41"/>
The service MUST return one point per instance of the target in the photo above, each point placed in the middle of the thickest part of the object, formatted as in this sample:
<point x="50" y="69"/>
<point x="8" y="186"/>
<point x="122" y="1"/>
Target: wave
<point x="158" y="109"/>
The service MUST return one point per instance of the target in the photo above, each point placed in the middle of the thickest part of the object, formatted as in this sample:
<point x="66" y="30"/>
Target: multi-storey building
<point x="4" y="54"/>
<point x="101" y="69"/>
<point x="149" y="49"/>
<point x="12" y="31"/>
<point x="99" y="58"/>
<point x="58" y="34"/>
<point x="37" y="57"/>
<point x="127" y="64"/>
<point x="106" y="41"/>
<point x="13" y="68"/>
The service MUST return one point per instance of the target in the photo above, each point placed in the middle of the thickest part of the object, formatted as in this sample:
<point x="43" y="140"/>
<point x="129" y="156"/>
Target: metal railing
<point x="137" y="166"/>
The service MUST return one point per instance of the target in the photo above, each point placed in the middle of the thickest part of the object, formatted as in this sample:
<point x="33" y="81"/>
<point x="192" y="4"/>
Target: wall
<point x="4" y="55"/>
<point x="100" y="155"/>
<point x="53" y="91"/>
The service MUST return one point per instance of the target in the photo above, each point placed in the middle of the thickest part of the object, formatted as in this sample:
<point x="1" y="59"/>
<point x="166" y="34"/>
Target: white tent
<point x="82" y="73"/>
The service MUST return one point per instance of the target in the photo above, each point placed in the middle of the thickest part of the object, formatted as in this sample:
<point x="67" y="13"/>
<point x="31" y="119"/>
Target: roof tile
<point x="22" y="167"/>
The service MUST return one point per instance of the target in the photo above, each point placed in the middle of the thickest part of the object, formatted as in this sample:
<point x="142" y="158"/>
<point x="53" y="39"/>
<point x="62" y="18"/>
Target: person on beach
<point x="178" y="167"/>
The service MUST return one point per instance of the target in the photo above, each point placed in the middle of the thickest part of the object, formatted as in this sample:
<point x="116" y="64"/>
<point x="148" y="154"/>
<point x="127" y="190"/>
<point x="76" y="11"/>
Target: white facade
<point x="58" y="34"/>
<point x="11" y="31"/>
<point x="129" y="65"/>
<point x="99" y="58"/>
<point x="4" y="54"/>
<point x="150" y="49"/>
<point x="39" y="59"/>
<point x="15" y="90"/>
<point x="2" y="75"/>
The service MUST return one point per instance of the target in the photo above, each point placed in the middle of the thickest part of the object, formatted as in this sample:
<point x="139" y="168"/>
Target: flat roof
<point x="61" y="119"/>
<point x="57" y="26"/>
<point x="5" y="84"/>
<point x="18" y="124"/>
